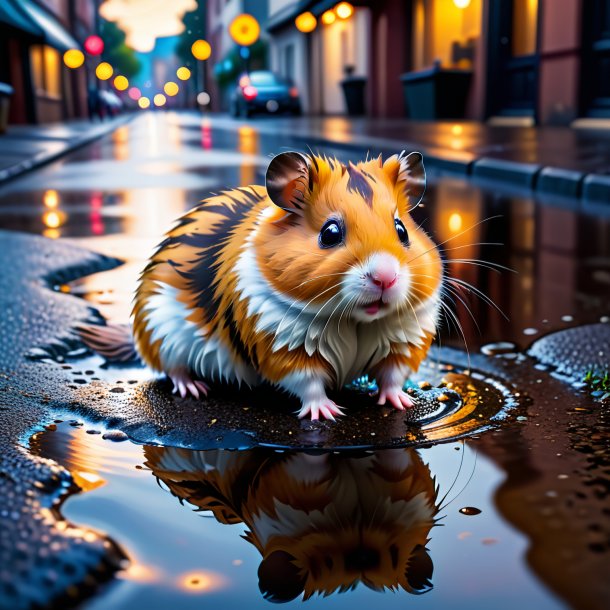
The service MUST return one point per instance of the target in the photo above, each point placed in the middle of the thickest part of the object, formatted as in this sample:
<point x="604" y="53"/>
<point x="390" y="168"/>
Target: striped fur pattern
<point x="322" y="523"/>
<point x="241" y="291"/>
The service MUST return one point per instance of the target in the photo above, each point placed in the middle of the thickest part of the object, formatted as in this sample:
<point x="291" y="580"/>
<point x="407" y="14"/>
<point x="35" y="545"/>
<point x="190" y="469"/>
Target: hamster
<point x="306" y="284"/>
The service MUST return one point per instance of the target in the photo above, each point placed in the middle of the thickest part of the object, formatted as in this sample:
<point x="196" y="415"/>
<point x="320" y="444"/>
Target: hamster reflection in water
<point x="317" y="279"/>
<point x="322" y="523"/>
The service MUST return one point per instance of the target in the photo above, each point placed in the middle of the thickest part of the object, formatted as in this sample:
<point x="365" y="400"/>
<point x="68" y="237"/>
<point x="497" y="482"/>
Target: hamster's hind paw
<point x="324" y="409"/>
<point x="398" y="399"/>
<point x="186" y="386"/>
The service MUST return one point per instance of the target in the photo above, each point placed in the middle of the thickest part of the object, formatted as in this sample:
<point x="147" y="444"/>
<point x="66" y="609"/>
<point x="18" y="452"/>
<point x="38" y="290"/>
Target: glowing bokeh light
<point x="159" y="100"/>
<point x="201" y="49"/>
<point x="73" y="58"/>
<point x="104" y="71"/>
<point x="455" y="222"/>
<point x="143" y="102"/>
<point x="51" y="198"/>
<point x="121" y="83"/>
<point x="134" y="93"/>
<point x="244" y="30"/>
<point x="306" y="22"/>
<point x="461" y="3"/>
<point x="183" y="73"/>
<point x="203" y="98"/>
<point x="344" y="10"/>
<point x="94" y="45"/>
<point x="54" y="219"/>
<point x="457" y="130"/>
<point x="328" y="17"/>
<point x="171" y="88"/>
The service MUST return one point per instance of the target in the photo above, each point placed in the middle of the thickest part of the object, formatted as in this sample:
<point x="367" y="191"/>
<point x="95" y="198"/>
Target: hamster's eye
<point x="331" y="234"/>
<point x="402" y="231"/>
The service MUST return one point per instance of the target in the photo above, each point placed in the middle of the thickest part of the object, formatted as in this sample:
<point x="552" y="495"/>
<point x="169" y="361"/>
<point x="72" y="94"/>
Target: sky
<point x="143" y="21"/>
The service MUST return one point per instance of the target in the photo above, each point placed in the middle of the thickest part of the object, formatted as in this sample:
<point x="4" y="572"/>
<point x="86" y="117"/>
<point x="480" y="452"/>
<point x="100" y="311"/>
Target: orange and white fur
<point x="321" y="522"/>
<point x="308" y="283"/>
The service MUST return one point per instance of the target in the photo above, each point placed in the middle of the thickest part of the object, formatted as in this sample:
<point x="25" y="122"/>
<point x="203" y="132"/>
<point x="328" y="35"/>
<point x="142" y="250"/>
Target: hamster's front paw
<point x="185" y="386"/>
<point x="324" y="408"/>
<point x="394" y="394"/>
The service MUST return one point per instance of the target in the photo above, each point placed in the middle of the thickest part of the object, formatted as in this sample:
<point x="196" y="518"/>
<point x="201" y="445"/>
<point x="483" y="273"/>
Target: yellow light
<point x="201" y="581"/>
<point x="50" y="198"/>
<point x="344" y="10"/>
<point x="73" y="58"/>
<point x="328" y="17"/>
<point x="121" y="83"/>
<point x="104" y="71"/>
<point x="159" y="99"/>
<point x="244" y="30"/>
<point x="461" y="3"/>
<point x="306" y="22"/>
<point x="183" y="73"/>
<point x="457" y="130"/>
<point x="53" y="220"/>
<point x="455" y="222"/>
<point x="201" y="49"/>
<point x="171" y="88"/>
<point x="143" y="102"/>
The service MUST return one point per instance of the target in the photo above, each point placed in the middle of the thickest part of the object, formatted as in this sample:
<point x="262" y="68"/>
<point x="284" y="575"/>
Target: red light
<point x="250" y="92"/>
<point x="294" y="92"/>
<point x="94" y="45"/>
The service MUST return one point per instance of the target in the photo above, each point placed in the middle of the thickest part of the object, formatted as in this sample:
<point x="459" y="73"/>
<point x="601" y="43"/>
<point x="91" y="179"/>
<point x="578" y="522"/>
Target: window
<point x="46" y="70"/>
<point x="445" y="31"/>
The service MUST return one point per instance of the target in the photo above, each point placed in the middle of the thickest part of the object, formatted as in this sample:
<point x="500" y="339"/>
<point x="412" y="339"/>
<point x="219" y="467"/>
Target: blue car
<point x="264" y="91"/>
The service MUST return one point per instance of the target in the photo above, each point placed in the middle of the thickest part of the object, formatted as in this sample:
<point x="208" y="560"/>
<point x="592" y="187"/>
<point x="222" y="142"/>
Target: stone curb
<point x="44" y="158"/>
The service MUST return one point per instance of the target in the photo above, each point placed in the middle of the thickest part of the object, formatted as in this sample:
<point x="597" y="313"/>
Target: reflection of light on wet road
<point x="200" y="582"/>
<point x="247" y="144"/>
<point x="51" y="198"/>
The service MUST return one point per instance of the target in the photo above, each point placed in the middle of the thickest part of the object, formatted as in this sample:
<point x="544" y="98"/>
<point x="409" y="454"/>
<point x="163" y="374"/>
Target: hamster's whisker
<point x="470" y="288"/>
<point x="454" y="236"/>
<point x="456" y="320"/>
<point x="353" y="299"/>
<point x="313" y="279"/>
<point x="480" y="263"/>
<point x="302" y="310"/>
<point x="452" y="292"/>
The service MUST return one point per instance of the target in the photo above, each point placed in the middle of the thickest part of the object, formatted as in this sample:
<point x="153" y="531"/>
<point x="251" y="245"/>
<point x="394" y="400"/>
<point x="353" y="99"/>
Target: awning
<point x="12" y="14"/>
<point x="53" y="32"/>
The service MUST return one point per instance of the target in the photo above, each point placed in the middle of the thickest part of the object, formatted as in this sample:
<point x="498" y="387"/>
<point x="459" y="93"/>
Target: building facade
<point x="33" y="37"/>
<point x="508" y="61"/>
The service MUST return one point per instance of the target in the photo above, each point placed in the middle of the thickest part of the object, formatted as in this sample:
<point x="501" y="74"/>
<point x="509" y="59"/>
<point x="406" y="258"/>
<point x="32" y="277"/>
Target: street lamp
<point x="244" y="30"/>
<point x="201" y="50"/>
<point x="306" y="22"/>
<point x="104" y="71"/>
<point x="74" y="58"/>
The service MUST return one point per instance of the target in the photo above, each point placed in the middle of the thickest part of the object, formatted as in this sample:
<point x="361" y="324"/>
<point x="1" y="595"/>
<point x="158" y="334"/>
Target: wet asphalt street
<point x="536" y="463"/>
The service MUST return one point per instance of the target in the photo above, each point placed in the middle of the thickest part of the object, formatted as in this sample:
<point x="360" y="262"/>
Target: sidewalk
<point x="558" y="161"/>
<point x="26" y="147"/>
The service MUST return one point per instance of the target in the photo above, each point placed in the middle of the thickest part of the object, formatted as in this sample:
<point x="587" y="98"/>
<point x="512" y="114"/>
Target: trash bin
<point x="354" y="90"/>
<point x="436" y="93"/>
<point x="5" y="98"/>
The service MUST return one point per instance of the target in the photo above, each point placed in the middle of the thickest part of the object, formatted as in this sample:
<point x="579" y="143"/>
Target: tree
<point x="121" y="57"/>
<point x="194" y="29"/>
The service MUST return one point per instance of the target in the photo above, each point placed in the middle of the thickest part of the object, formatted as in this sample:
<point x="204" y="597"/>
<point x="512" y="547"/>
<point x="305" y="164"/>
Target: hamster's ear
<point x="288" y="181"/>
<point x="279" y="580"/>
<point x="408" y="172"/>
<point x="419" y="570"/>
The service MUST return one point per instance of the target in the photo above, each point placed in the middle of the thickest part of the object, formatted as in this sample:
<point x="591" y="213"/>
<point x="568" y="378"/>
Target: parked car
<point x="264" y="91"/>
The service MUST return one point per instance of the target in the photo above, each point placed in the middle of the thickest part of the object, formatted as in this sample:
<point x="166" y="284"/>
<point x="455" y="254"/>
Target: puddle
<point x="341" y="529"/>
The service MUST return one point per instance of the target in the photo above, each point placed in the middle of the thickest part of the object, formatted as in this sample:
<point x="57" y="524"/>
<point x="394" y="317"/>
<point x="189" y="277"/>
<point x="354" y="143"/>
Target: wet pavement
<point x="363" y="504"/>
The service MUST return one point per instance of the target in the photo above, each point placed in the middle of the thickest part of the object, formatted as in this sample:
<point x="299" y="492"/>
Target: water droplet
<point x="115" y="435"/>
<point x="530" y="331"/>
<point x="470" y="510"/>
<point x="500" y="347"/>
<point x="567" y="318"/>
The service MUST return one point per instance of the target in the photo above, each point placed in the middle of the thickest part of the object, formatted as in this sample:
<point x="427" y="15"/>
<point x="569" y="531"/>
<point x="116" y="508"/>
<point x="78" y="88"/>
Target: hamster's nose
<point x="384" y="279"/>
<point x="383" y="270"/>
